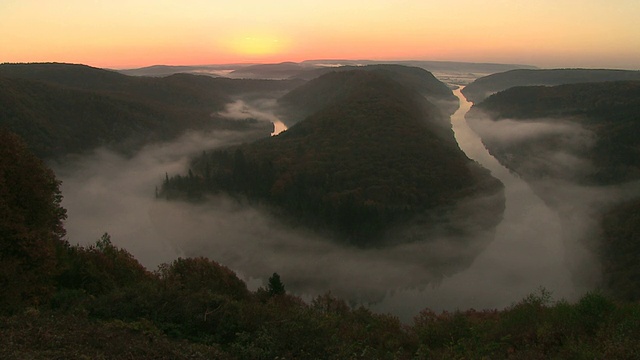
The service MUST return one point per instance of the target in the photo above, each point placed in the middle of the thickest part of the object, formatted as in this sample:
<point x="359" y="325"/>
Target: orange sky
<point x="120" y="34"/>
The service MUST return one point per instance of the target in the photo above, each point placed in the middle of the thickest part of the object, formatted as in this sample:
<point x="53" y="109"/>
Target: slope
<point x="481" y="88"/>
<point x="67" y="108"/>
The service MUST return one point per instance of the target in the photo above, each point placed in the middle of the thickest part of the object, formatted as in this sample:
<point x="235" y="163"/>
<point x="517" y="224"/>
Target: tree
<point x="275" y="287"/>
<point x="31" y="225"/>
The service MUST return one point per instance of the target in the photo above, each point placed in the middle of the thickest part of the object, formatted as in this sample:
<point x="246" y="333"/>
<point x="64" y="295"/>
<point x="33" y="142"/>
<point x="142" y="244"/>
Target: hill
<point x="604" y="114"/>
<point x="372" y="156"/>
<point x="310" y="97"/>
<point x="66" y="108"/>
<point x="481" y="88"/>
<point x="166" y="70"/>
<point x="413" y="77"/>
<point x="282" y="70"/>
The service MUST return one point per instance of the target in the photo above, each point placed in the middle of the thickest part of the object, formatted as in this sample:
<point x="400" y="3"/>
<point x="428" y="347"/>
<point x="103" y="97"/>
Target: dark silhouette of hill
<point x="310" y="97"/>
<point x="608" y="110"/>
<point x="166" y="70"/>
<point x="63" y="108"/>
<point x="372" y="155"/>
<point x="413" y="77"/>
<point x="184" y="90"/>
<point x="57" y="121"/>
<point x="481" y="88"/>
<point x="282" y="70"/>
<point x="432" y="66"/>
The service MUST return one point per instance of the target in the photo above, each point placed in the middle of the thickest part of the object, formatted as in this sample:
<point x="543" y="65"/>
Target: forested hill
<point x="185" y="89"/>
<point x="373" y="154"/>
<point x="310" y="97"/>
<point x="609" y="111"/>
<point x="481" y="88"/>
<point x="67" y="108"/>
<point x="415" y="78"/>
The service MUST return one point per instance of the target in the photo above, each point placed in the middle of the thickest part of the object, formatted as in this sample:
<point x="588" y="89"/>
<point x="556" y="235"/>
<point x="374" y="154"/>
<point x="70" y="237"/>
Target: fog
<point x="554" y="147"/>
<point x="508" y="131"/>
<point x="534" y="246"/>
<point x="107" y="192"/>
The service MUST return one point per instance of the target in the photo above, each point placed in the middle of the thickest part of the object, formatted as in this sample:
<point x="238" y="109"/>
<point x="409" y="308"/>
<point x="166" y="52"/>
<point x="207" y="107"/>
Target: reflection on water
<point x="526" y="254"/>
<point x="278" y="127"/>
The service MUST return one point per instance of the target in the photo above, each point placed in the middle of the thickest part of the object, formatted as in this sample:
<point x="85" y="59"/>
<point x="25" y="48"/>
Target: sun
<point x="257" y="45"/>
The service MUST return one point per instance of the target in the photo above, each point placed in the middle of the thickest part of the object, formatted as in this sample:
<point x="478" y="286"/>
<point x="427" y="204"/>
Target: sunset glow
<point x="546" y="33"/>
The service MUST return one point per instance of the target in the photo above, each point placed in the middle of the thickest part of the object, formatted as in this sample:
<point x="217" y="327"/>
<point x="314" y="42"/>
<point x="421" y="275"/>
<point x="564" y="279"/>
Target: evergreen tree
<point x="275" y="287"/>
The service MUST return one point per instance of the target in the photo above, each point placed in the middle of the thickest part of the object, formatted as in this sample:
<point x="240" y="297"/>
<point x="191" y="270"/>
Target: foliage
<point x="99" y="269"/>
<point x="275" y="286"/>
<point x="30" y="225"/>
<point x="45" y="335"/>
<point x="620" y="251"/>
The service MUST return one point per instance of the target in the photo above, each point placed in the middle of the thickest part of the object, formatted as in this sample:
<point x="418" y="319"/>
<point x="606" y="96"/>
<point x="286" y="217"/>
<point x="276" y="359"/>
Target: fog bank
<point x="107" y="192"/>
<point x="533" y="246"/>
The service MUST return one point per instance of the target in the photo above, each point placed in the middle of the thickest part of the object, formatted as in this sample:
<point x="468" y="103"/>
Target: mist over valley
<point x="253" y="215"/>
<point x="319" y="180"/>
<point x="447" y="258"/>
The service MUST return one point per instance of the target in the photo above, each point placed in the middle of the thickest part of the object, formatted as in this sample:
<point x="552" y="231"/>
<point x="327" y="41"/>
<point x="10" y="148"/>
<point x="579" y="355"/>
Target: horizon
<point x="247" y="64"/>
<point x="122" y="35"/>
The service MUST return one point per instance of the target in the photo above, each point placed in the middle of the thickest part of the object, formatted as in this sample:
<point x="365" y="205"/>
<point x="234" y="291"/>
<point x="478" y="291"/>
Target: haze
<point x="125" y="34"/>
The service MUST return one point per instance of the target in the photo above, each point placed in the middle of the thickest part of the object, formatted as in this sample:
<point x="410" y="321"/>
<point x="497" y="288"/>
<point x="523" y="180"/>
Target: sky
<point x="136" y="33"/>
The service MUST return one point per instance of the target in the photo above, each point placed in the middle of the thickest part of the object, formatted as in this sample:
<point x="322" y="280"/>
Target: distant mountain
<point x="432" y="66"/>
<point x="481" y="88"/>
<point x="312" y="96"/>
<point x="451" y="70"/>
<point x="65" y="108"/>
<point x="372" y="156"/>
<point x="166" y="70"/>
<point x="278" y="71"/>
<point x="584" y="134"/>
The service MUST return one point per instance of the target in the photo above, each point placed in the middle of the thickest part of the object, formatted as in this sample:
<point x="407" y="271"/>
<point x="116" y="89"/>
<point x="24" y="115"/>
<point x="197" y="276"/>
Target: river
<point x="526" y="254"/>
